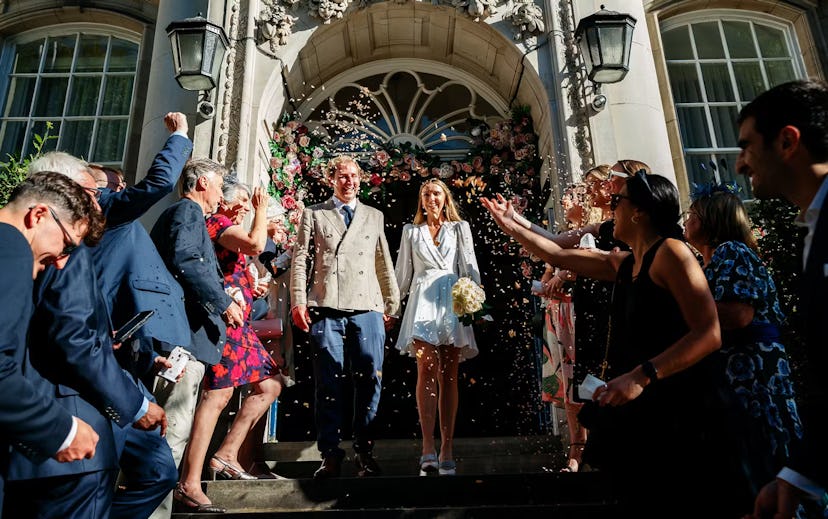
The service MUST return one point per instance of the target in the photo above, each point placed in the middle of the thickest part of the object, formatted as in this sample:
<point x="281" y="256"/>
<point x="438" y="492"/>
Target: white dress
<point x="426" y="273"/>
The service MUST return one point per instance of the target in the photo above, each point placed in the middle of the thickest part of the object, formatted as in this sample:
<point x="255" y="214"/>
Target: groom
<point x="351" y="293"/>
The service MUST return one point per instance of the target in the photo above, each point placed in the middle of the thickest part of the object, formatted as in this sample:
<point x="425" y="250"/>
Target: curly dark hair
<point x="802" y="104"/>
<point x="65" y="196"/>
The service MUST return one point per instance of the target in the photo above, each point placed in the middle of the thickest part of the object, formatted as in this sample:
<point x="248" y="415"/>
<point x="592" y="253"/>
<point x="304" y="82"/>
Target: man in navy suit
<point x="133" y="278"/>
<point x="783" y="135"/>
<point x="72" y="357"/>
<point x="183" y="242"/>
<point x="33" y="236"/>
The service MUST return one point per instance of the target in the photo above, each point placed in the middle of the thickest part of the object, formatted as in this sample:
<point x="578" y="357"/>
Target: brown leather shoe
<point x="331" y="468"/>
<point x="367" y="465"/>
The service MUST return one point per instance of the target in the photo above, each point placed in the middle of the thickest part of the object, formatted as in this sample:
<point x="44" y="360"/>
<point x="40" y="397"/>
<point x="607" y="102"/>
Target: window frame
<point x="7" y="55"/>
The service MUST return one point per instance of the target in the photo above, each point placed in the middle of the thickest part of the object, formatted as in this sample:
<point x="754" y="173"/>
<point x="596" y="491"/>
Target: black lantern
<point x="606" y="38"/>
<point x="198" y="48"/>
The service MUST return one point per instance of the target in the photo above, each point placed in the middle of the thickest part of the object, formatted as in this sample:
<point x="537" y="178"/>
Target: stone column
<point x="164" y="95"/>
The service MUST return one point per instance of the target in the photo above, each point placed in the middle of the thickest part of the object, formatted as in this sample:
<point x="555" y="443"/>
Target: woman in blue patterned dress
<point x="244" y="360"/>
<point x="751" y="370"/>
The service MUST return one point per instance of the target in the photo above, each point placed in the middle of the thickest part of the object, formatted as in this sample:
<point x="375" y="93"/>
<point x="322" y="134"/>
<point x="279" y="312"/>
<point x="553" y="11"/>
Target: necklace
<point x="434" y="231"/>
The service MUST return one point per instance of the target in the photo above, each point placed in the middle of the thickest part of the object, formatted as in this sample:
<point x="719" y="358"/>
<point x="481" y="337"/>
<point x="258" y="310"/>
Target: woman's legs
<point x="252" y="409"/>
<point x="577" y="436"/>
<point x="449" y="359"/>
<point x="427" y="366"/>
<point x="204" y="423"/>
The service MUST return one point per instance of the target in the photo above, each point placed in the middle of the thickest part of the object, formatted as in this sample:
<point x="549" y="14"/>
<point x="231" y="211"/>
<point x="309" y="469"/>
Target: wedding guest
<point x="751" y="370"/>
<point x="435" y="251"/>
<point x="663" y="321"/>
<point x="244" y="359"/>
<point x="45" y="219"/>
<point x="784" y="142"/>
<point x="345" y="305"/>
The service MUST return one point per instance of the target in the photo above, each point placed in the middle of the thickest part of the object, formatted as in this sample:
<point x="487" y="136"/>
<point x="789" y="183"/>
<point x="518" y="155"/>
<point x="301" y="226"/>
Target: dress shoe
<point x="331" y="468"/>
<point x="189" y="505"/>
<point x="367" y="465"/>
<point x="224" y="470"/>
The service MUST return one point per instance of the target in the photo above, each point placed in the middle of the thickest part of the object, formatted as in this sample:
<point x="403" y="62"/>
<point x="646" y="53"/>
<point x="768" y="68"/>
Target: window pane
<point x="698" y="170"/>
<point x="84" y="97"/>
<point x="717" y="82"/>
<point x="27" y="57"/>
<point x="109" y="143"/>
<point x="76" y="137"/>
<point x="51" y="96"/>
<point x="91" y="54"/>
<point x="779" y="72"/>
<point x="724" y="125"/>
<point x="21" y="90"/>
<point x="748" y="80"/>
<point x="684" y="81"/>
<point x="59" y="54"/>
<point x="123" y="56"/>
<point x="693" y="124"/>
<point x="739" y="39"/>
<point x="677" y="43"/>
<point x="771" y="42"/>
<point x="117" y="95"/>
<point x="11" y="139"/>
<point x="708" y="40"/>
<point x="39" y="128"/>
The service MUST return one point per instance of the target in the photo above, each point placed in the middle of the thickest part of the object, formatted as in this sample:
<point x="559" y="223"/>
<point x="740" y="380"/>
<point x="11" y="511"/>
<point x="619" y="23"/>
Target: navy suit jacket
<point x="181" y="237"/>
<point x="132" y="274"/>
<point x="71" y="358"/>
<point x="31" y="421"/>
<point x="812" y="459"/>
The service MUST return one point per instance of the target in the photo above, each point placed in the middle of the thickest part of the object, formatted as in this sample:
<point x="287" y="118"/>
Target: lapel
<point x="359" y="220"/>
<point x="332" y="214"/>
<point x="425" y="235"/>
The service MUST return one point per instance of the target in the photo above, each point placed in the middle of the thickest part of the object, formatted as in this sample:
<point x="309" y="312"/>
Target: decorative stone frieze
<point x="274" y="23"/>
<point x="526" y="18"/>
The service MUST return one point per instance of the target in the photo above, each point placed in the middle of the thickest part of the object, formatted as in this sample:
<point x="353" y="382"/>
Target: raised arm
<point x="587" y="263"/>
<point x="251" y="243"/>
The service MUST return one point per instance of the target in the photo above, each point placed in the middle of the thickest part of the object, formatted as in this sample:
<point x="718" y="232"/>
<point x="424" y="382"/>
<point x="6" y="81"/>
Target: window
<point x="81" y="83"/>
<point x="716" y="66"/>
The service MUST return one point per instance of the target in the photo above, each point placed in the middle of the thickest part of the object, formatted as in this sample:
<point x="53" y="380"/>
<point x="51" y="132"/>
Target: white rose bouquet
<point x="469" y="302"/>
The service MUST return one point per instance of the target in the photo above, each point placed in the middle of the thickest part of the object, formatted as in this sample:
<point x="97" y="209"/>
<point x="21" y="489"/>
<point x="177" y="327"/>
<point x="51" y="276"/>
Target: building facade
<point x="100" y="73"/>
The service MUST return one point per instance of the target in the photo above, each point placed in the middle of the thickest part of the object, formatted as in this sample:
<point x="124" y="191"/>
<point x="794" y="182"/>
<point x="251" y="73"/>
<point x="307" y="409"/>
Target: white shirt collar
<point x="339" y="203"/>
<point x="810" y="217"/>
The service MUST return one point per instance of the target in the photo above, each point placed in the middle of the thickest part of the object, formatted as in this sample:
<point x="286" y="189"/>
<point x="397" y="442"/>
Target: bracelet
<point x="523" y="222"/>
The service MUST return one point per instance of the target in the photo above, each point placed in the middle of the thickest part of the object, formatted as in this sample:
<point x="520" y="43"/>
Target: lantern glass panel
<point x="612" y="45"/>
<point x="190" y="47"/>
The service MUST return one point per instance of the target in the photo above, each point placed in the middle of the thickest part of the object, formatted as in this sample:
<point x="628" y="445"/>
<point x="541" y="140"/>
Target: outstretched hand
<point x="259" y="199"/>
<point x="502" y="212"/>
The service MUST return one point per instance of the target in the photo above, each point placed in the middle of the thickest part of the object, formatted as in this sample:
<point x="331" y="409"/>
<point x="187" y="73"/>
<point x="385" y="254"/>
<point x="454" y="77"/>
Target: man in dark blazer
<point x="71" y="356"/>
<point x="783" y="135"/>
<point x="351" y="292"/>
<point x="33" y="236"/>
<point x="180" y="234"/>
<point x="133" y="278"/>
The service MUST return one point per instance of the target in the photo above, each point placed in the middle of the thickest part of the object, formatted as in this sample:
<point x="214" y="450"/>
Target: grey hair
<point x="197" y="168"/>
<point x="60" y="162"/>
<point x="232" y="186"/>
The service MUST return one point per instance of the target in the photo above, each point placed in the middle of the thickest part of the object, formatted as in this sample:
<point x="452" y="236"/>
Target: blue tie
<point x="349" y="214"/>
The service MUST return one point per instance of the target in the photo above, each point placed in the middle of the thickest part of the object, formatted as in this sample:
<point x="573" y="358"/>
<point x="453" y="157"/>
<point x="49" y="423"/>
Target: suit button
<point x="360" y="253"/>
<point x="360" y="272"/>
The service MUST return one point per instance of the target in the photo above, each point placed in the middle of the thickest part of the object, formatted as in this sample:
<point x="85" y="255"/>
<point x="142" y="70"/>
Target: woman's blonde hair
<point x="723" y="218"/>
<point x="631" y="166"/>
<point x="601" y="172"/>
<point x="450" y="210"/>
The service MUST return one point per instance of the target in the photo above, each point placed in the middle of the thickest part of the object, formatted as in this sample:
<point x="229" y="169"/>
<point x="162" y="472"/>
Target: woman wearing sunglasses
<point x="643" y="425"/>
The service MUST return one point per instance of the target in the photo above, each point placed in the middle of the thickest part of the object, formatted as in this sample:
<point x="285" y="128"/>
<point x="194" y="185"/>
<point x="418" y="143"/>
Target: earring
<point x="634" y="219"/>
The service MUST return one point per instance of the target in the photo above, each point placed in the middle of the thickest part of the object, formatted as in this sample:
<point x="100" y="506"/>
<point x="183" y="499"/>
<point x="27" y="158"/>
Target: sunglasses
<point x="70" y="247"/>
<point x="615" y="199"/>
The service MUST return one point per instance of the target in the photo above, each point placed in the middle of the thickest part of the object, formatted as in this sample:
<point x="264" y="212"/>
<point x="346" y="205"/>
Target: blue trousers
<point x="148" y="471"/>
<point x="78" y="496"/>
<point x="361" y="337"/>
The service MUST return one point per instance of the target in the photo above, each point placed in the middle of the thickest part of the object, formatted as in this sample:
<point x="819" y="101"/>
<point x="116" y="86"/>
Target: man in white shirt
<point x="783" y="135"/>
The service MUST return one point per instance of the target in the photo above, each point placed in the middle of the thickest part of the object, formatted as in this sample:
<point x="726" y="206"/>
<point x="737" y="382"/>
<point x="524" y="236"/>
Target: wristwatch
<point x="650" y="370"/>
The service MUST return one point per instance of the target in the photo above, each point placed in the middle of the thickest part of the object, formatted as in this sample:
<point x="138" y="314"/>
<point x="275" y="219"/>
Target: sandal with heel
<point x="190" y="505"/>
<point x="428" y="464"/>
<point x="228" y="471"/>
<point x="573" y="464"/>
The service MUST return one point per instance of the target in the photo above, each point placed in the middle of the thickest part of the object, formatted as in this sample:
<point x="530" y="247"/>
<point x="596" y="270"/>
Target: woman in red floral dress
<point x="244" y="360"/>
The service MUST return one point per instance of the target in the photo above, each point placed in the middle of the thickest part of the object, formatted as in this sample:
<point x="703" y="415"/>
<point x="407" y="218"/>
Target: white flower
<point x="467" y="297"/>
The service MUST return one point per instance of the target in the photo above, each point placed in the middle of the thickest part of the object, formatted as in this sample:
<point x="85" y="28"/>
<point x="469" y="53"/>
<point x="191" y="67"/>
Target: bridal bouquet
<point x="469" y="302"/>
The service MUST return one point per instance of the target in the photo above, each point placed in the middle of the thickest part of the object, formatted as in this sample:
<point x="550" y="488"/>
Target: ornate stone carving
<point x="274" y="23"/>
<point x="475" y="9"/>
<point x="526" y="18"/>
<point x="327" y="10"/>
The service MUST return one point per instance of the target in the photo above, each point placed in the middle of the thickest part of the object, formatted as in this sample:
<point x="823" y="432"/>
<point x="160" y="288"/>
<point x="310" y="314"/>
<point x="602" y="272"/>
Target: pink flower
<point x="526" y="269"/>
<point x="292" y="125"/>
<point x="318" y="153"/>
<point x="520" y="153"/>
<point x="495" y="160"/>
<point x="278" y="183"/>
<point x="382" y="157"/>
<point x="405" y="176"/>
<point x="277" y="137"/>
<point x="375" y="180"/>
<point x="275" y="162"/>
<point x="304" y="141"/>
<point x="288" y="202"/>
<point x="467" y="168"/>
<point x="295" y="216"/>
<point x="477" y="164"/>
